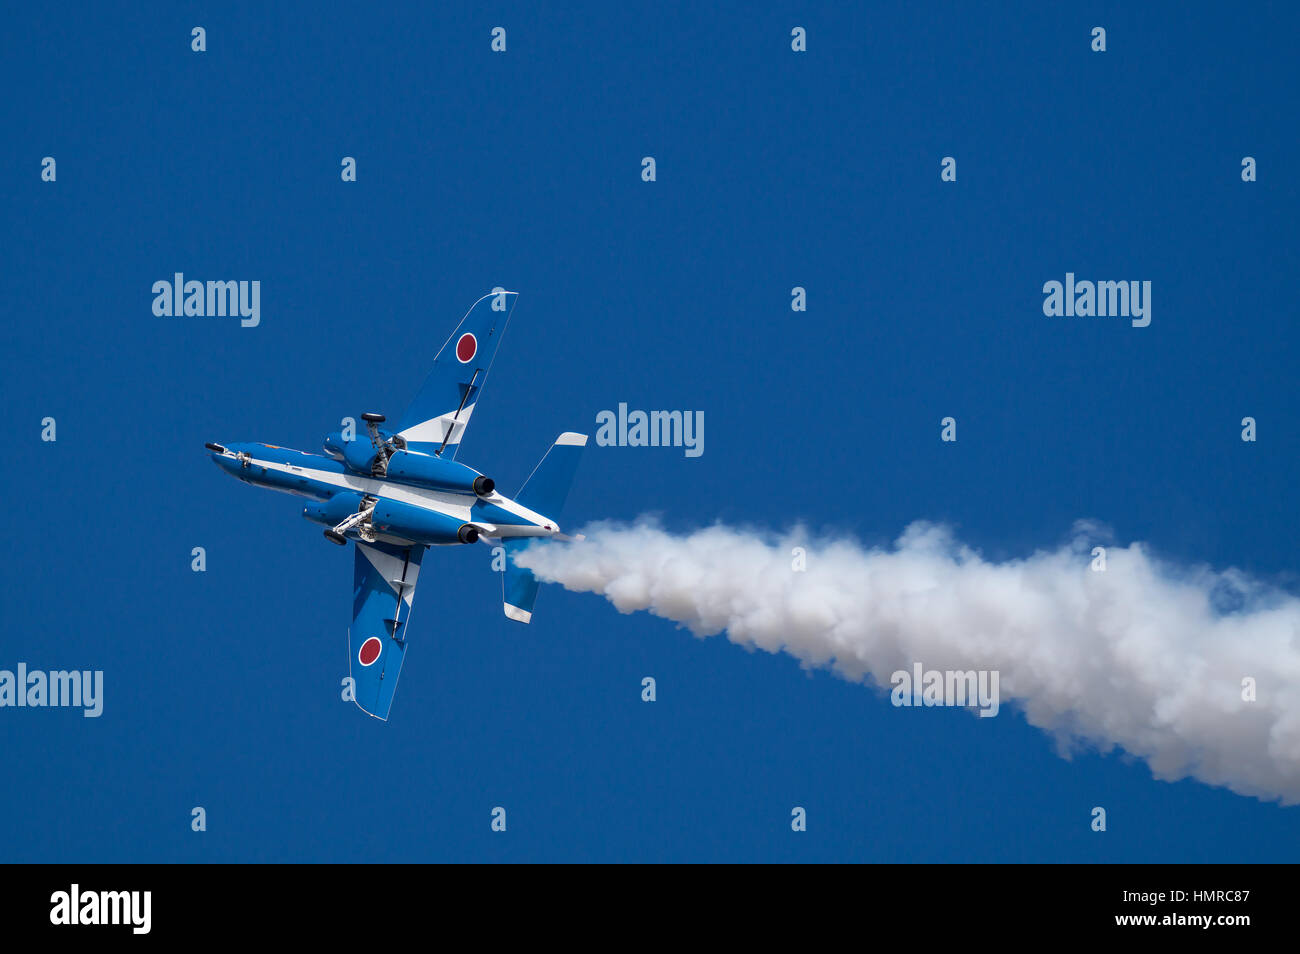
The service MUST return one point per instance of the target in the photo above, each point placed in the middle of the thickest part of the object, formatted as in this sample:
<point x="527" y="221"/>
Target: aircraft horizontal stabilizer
<point x="545" y="491"/>
<point x="547" y="487"/>
<point x="519" y="586"/>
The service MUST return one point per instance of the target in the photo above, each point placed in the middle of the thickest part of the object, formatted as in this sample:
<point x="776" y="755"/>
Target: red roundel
<point x="369" y="651"/>
<point x="466" y="348"/>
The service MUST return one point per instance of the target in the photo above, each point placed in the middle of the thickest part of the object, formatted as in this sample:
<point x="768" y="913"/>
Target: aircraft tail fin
<point x="544" y="491"/>
<point x="519" y="586"/>
<point x="547" y="487"/>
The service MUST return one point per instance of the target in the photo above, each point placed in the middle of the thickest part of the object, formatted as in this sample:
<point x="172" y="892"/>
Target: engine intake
<point x="335" y="510"/>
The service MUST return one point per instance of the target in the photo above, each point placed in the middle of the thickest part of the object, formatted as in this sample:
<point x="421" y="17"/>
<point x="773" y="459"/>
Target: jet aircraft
<point x="402" y="491"/>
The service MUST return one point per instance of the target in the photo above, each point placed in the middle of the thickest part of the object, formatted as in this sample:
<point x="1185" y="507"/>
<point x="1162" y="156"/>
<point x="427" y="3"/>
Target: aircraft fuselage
<point x="401" y="512"/>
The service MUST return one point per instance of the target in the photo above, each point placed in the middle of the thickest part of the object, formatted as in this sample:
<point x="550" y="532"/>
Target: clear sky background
<point x="523" y="169"/>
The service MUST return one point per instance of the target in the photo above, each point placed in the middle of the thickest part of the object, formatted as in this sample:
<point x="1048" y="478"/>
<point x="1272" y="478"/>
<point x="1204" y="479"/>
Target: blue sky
<point x="522" y="169"/>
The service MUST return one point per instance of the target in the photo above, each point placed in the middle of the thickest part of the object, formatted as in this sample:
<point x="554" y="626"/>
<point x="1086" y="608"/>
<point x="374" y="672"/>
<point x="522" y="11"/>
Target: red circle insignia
<point x="370" y="651"/>
<point x="466" y="348"/>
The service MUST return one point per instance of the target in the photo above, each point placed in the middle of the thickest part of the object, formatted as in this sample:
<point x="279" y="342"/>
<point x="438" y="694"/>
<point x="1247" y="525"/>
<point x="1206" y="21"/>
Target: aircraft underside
<point x="395" y="492"/>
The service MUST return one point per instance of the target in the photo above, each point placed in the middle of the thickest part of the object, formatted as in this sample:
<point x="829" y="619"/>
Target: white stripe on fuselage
<point x="454" y="505"/>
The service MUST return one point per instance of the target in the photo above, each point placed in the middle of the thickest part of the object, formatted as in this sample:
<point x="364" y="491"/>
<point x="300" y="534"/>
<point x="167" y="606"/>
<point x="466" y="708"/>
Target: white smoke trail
<point x="1142" y="655"/>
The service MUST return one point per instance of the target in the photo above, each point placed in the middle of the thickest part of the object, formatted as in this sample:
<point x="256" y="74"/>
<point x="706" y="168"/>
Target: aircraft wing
<point x="383" y="589"/>
<point x="437" y="418"/>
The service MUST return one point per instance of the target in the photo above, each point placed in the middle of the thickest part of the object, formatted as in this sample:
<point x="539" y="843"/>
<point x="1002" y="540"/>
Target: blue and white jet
<point x="403" y="491"/>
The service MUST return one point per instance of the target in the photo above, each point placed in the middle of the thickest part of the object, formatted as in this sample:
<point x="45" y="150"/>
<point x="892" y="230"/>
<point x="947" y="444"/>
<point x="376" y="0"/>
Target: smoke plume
<point x="1142" y="654"/>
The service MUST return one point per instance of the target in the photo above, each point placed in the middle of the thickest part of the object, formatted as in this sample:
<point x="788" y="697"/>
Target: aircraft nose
<point x="218" y="454"/>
